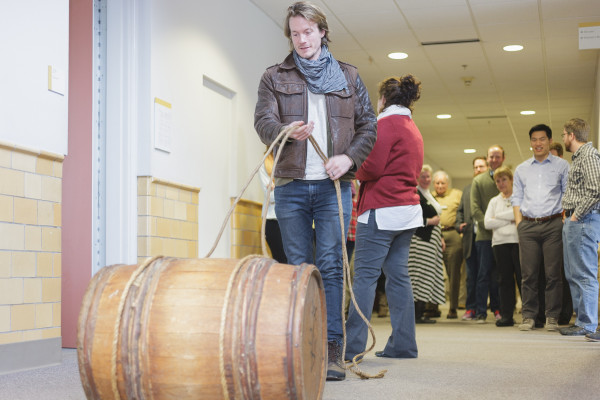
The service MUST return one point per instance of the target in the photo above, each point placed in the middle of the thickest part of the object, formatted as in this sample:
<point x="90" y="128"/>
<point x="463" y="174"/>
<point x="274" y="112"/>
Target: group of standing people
<point x="323" y="98"/>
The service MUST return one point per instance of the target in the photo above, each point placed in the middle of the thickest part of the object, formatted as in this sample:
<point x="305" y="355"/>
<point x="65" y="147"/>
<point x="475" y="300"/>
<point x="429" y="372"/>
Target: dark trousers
<point x="453" y="258"/>
<point x="540" y="245"/>
<point x="509" y="271"/>
<point x="273" y="236"/>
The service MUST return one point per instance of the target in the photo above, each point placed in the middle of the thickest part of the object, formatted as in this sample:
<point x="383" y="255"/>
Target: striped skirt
<point x="426" y="268"/>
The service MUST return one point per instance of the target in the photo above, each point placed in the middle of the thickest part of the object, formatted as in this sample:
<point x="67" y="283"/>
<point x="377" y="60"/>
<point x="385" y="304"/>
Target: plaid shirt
<point x="583" y="185"/>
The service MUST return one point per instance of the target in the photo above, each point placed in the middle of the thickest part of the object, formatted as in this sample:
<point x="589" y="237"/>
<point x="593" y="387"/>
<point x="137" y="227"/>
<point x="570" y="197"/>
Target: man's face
<point x="306" y="37"/>
<point x="495" y="158"/>
<point x="441" y="184"/>
<point x="479" y="166"/>
<point x="540" y="144"/>
<point x="567" y="139"/>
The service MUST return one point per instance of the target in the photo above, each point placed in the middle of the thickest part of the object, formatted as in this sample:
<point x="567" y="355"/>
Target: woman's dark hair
<point x="403" y="91"/>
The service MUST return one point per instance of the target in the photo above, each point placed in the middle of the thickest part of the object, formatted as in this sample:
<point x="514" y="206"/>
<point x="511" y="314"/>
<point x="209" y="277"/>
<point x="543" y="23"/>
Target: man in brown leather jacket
<point x="322" y="97"/>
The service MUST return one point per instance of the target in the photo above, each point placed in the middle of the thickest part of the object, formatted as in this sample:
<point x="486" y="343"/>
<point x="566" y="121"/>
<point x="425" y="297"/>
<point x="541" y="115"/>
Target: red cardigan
<point x="389" y="174"/>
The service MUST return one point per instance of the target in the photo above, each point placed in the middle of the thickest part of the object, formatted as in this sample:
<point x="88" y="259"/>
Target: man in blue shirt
<point x="538" y="187"/>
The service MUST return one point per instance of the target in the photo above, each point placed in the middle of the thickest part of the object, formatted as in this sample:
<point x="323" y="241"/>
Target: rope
<point x="117" y="326"/>
<point x="232" y="277"/>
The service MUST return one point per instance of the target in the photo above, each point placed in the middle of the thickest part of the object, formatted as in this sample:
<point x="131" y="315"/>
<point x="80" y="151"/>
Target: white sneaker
<point x="527" y="325"/>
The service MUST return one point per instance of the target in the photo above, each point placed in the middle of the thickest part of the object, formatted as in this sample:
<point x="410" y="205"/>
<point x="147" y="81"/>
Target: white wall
<point x="230" y="42"/>
<point x="33" y="35"/>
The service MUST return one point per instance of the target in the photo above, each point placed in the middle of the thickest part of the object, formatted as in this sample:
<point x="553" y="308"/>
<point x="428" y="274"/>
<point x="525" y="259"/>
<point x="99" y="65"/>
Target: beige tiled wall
<point x="30" y="244"/>
<point x="167" y="219"/>
<point x="245" y="229"/>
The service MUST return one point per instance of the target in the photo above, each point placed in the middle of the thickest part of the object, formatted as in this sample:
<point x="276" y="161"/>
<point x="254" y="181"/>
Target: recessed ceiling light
<point x="527" y="112"/>
<point x="513" y="47"/>
<point x="467" y="151"/>
<point x="397" y="56"/>
<point x="444" y="116"/>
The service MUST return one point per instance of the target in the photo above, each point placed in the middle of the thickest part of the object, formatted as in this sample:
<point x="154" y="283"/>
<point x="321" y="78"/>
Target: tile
<point x="56" y="314"/>
<point x="26" y="211"/>
<point x="10" y="337"/>
<point x="5" y="264"/>
<point x="45" y="213"/>
<point x="35" y="334"/>
<point x="51" y="239"/>
<point x="50" y="333"/>
<point x="57" y="214"/>
<point x="4" y="318"/>
<point x="50" y="289"/>
<point x="57" y="265"/>
<point x="12" y="237"/>
<point x="44" y="264"/>
<point x="33" y="238"/>
<point x="143" y="185"/>
<point x="33" y="186"/>
<point x="180" y="211"/>
<point x="185" y="196"/>
<point x="143" y="204"/>
<point x="44" y="166"/>
<point x="12" y="182"/>
<point x="58" y="169"/>
<point x="22" y="317"/>
<point x="51" y="189"/>
<point x="32" y="290"/>
<point x="195" y="197"/>
<point x="6" y="208"/>
<point x="23" y="264"/>
<point x="191" y="212"/>
<point x="171" y="193"/>
<point x="43" y="315"/>
<point x="23" y="162"/>
<point x="157" y="207"/>
<point x="5" y="157"/>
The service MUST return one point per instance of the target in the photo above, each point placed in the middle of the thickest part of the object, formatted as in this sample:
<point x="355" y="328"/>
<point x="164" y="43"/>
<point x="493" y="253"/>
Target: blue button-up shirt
<point x="538" y="187"/>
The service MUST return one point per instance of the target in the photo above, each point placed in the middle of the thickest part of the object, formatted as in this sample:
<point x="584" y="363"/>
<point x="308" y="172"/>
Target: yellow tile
<point x="56" y="314"/>
<point x="57" y="214"/>
<point x="50" y="333"/>
<point x="143" y="204"/>
<point x="10" y="337"/>
<point x="33" y="238"/>
<point x="44" y="166"/>
<point x="26" y="211"/>
<point x="169" y="247"/>
<point x="33" y="186"/>
<point x="143" y="185"/>
<point x="43" y="315"/>
<point x="23" y="264"/>
<point x="57" y="265"/>
<point x="50" y="289"/>
<point x="171" y="193"/>
<point x="188" y="230"/>
<point x="11" y="291"/>
<point x="35" y="334"/>
<point x="185" y="196"/>
<point x="181" y="249"/>
<point x="195" y="197"/>
<point x="6" y="208"/>
<point x="169" y="209"/>
<point x="5" y="264"/>
<point x="12" y="182"/>
<point x="45" y="213"/>
<point x="32" y="290"/>
<point x="51" y="239"/>
<point x="58" y="168"/>
<point x="22" y="317"/>
<point x="156" y="247"/>
<point x="180" y="211"/>
<point x="145" y="225"/>
<point x="143" y="246"/>
<point x="23" y="162"/>
<point x="44" y="264"/>
<point x="160" y="190"/>
<point x="12" y="237"/>
<point x="157" y="206"/>
<point x="164" y="227"/>
<point x="5" y="157"/>
<point x="192" y="249"/>
<point x="191" y="212"/>
<point x="51" y="188"/>
<point x="4" y="318"/>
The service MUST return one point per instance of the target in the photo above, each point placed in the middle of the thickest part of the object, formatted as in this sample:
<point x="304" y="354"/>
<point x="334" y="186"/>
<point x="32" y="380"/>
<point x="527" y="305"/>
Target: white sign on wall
<point x="589" y="35"/>
<point x="163" y="125"/>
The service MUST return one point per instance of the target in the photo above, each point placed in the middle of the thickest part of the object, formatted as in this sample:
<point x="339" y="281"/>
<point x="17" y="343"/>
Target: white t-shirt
<point x="317" y="113"/>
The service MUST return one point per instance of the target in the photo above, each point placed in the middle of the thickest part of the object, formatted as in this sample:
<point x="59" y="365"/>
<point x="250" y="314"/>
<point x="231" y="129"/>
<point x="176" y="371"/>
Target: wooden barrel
<point x="204" y="329"/>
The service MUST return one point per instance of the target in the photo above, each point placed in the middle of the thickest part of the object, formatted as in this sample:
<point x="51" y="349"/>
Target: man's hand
<point x="302" y="131"/>
<point x="337" y="166"/>
<point x="461" y="227"/>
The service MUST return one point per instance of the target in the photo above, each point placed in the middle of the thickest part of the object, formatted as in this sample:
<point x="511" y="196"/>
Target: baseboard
<point x="31" y="354"/>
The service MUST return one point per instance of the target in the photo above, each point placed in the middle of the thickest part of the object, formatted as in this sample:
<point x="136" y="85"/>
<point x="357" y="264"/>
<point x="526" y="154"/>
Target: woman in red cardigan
<point x="388" y="214"/>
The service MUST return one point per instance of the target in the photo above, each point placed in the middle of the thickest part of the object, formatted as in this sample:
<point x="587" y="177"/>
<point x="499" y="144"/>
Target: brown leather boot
<point x="335" y="363"/>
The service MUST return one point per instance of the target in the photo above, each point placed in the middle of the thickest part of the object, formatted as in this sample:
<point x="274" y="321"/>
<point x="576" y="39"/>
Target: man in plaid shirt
<point x="581" y="232"/>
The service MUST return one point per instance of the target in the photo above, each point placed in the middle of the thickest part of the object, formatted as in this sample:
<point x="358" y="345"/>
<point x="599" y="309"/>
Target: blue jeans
<point x="472" y="271"/>
<point x="297" y="205"/>
<point x="580" y="253"/>
<point x="376" y="250"/>
<point x="487" y="281"/>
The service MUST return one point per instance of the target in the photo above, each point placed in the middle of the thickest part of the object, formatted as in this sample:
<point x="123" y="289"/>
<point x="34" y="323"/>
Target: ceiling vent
<point x="450" y="42"/>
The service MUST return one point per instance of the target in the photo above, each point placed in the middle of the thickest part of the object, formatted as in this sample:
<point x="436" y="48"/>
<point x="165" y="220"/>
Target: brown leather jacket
<point x="282" y="99"/>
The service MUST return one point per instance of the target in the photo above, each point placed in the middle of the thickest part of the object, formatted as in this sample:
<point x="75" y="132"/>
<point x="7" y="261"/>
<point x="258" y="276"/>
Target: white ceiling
<point x="551" y="75"/>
